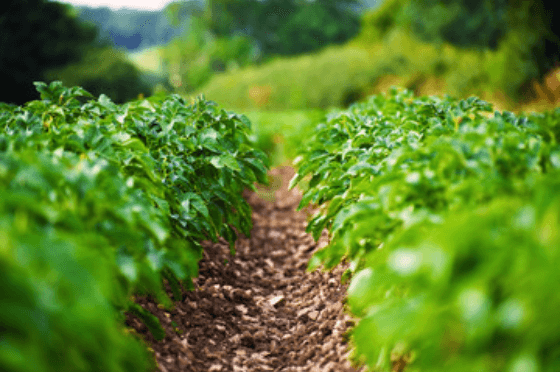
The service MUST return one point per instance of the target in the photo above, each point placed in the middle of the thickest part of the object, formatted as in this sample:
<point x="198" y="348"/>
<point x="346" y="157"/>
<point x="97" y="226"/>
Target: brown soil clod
<point x="258" y="310"/>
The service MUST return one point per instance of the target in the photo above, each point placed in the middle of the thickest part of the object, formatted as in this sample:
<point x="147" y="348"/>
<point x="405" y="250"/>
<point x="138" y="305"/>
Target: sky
<point x="116" y="4"/>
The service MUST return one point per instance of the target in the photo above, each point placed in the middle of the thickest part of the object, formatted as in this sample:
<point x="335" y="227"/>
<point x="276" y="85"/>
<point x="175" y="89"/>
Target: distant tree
<point x="540" y="25"/>
<point x="470" y="23"/>
<point x="104" y="71"/>
<point x="317" y="24"/>
<point x="36" y="36"/>
<point x="286" y="26"/>
<point x="177" y="12"/>
<point x="485" y="23"/>
<point x="377" y="23"/>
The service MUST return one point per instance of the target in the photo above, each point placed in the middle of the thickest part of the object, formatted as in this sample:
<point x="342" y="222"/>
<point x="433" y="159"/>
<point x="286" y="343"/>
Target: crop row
<point x="99" y="202"/>
<point x="449" y="216"/>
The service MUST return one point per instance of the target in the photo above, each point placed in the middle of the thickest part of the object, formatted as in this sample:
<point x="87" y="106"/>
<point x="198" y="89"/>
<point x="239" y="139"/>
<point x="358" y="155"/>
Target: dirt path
<point x="260" y="311"/>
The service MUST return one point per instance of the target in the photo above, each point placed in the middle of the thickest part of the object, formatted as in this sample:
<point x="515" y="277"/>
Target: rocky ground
<point x="258" y="310"/>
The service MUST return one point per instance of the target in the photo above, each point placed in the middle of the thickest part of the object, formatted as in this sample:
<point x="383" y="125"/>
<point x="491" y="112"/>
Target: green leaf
<point x="127" y="267"/>
<point x="150" y="320"/>
<point x="194" y="200"/>
<point x="225" y="160"/>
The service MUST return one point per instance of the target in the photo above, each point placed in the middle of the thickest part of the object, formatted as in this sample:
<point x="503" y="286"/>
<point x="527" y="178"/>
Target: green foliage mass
<point x="104" y="71"/>
<point x="191" y="60"/>
<point x="130" y="192"/>
<point x="475" y="293"/>
<point x="493" y="60"/>
<point x="57" y="312"/>
<point x="375" y="24"/>
<point x="229" y="35"/>
<point x="339" y="76"/>
<point x="403" y="159"/>
<point x="517" y="41"/>
<point x="46" y="40"/>
<point x="285" y="26"/>
<point x="37" y="35"/>
<point x="383" y="173"/>
<point x="480" y="23"/>
<point x="334" y="77"/>
<point x="484" y="24"/>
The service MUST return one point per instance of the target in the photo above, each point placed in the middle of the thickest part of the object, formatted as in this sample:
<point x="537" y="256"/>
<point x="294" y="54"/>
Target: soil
<point x="259" y="310"/>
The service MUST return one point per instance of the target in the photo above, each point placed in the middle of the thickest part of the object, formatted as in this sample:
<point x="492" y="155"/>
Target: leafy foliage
<point x="484" y="24"/>
<point x="472" y="294"/>
<point x="479" y="23"/>
<point x="58" y="272"/>
<point x="339" y="76"/>
<point x="228" y="35"/>
<point x="398" y="159"/>
<point x="286" y="26"/>
<point x="519" y="38"/>
<point x="378" y="22"/>
<point x="386" y="171"/>
<point x="136" y="187"/>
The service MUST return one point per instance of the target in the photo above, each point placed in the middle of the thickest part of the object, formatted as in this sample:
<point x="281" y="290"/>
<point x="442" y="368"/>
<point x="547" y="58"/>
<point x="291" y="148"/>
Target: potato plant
<point x="399" y="159"/>
<point x="474" y="293"/>
<point x="394" y="166"/>
<point x="130" y="191"/>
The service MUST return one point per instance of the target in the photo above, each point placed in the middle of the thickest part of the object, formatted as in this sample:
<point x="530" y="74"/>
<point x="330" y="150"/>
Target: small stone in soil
<point x="276" y="301"/>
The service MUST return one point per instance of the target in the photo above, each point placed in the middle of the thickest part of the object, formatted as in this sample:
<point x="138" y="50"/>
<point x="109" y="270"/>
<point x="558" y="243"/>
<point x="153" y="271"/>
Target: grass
<point x="148" y="60"/>
<point x="280" y="134"/>
<point x="331" y="78"/>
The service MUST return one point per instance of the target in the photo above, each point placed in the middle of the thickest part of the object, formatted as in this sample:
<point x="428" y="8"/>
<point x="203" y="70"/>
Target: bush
<point x="333" y="77"/>
<point x="375" y="24"/>
<point x="104" y="71"/>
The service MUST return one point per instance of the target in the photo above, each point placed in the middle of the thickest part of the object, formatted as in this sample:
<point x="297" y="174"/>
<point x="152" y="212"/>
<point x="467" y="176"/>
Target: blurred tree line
<point x="40" y="39"/>
<point x="46" y="40"/>
<point x="530" y="24"/>
<point x="500" y="45"/>
<point x="513" y="42"/>
<point x="229" y="34"/>
<point x="285" y="27"/>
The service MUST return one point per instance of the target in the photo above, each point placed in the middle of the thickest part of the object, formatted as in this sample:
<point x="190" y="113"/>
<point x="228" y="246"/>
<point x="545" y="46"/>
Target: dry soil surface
<point x="258" y="310"/>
